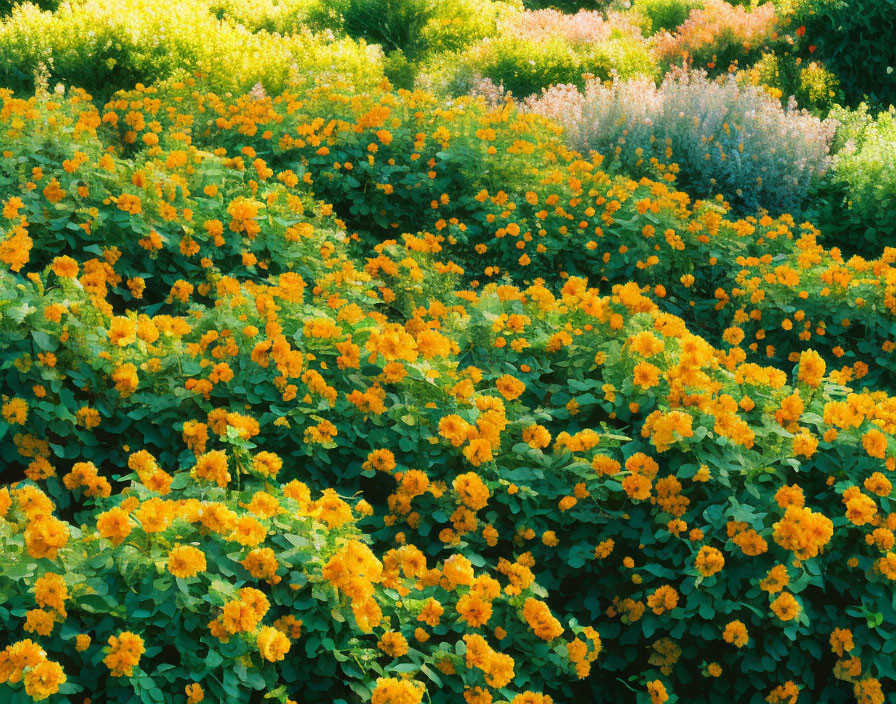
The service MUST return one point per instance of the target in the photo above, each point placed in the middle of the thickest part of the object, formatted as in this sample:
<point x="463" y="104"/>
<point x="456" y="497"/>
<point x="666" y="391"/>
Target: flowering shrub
<point x="724" y="138"/>
<point x="458" y="24"/>
<point x="533" y="50"/>
<point x="516" y="202"/>
<point x="268" y="15"/>
<point x="717" y="36"/>
<point x="222" y="406"/>
<point x="277" y="592"/>
<point x="102" y="47"/>
<point x="211" y="539"/>
<point x="812" y="85"/>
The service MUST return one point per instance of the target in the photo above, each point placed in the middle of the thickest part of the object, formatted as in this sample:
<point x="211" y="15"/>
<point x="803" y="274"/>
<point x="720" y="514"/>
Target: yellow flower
<point x="540" y="619"/>
<point x="657" y="691"/>
<point x="50" y="592"/>
<point x="390" y="690"/>
<point x="736" y="634"/>
<point x="43" y="680"/>
<point x="194" y="693"/>
<point x="114" y="525"/>
<point x="786" y="607"/>
<point x="646" y="375"/>
<point x="186" y="561"/>
<point x="40" y="622"/>
<point x="473" y="609"/>
<point x="663" y="599"/>
<point x="393" y="644"/>
<point x="875" y="443"/>
<point x="709" y="561"/>
<point x="471" y="490"/>
<point x="15" y="411"/>
<point x="123" y="654"/>
<point x="812" y="368"/>
<point x="272" y="644"/>
<point x="212" y="466"/>
<point x="510" y="387"/>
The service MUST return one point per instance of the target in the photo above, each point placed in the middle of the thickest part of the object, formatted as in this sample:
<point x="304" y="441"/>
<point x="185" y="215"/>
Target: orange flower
<point x="736" y="634"/>
<point x="65" y="267"/>
<point x="786" y="607"/>
<point x="709" y="561"/>
<point x="510" y="387"/>
<point x="185" y="561"/>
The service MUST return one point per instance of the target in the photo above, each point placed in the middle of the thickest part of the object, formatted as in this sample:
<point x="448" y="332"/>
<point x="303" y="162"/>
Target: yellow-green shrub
<point x="103" y="47"/>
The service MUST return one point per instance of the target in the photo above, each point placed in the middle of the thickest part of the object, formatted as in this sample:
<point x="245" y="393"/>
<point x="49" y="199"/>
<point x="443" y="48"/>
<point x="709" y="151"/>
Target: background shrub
<point x="852" y="38"/>
<point x="393" y="24"/>
<point x="855" y="204"/>
<point x="717" y="36"/>
<point x="283" y="16"/>
<point x="103" y="47"/>
<point x="724" y="138"/>
<point x="533" y="50"/>
<point x="6" y="6"/>
<point x="813" y="86"/>
<point x="457" y="25"/>
<point x="665" y="15"/>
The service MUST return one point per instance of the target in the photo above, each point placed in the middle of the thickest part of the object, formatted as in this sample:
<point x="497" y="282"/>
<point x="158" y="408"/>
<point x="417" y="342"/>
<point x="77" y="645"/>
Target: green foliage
<point x="283" y="16"/>
<point x="854" y="40"/>
<point x="336" y="315"/>
<point x="399" y="70"/>
<point x="855" y="205"/>
<point x="572" y="6"/>
<point x="393" y="24"/>
<point x="665" y="15"/>
<point x="6" y="6"/>
<point x="457" y="25"/>
<point x="812" y="85"/>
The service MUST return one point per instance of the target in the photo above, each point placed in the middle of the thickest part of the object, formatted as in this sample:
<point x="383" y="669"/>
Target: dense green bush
<point x="283" y="16"/>
<point x="6" y="6"/>
<point x="665" y="15"/>
<point x="856" y="205"/>
<point x="461" y="23"/>
<point x="524" y="67"/>
<point x="393" y="24"/>
<point x="854" y="39"/>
